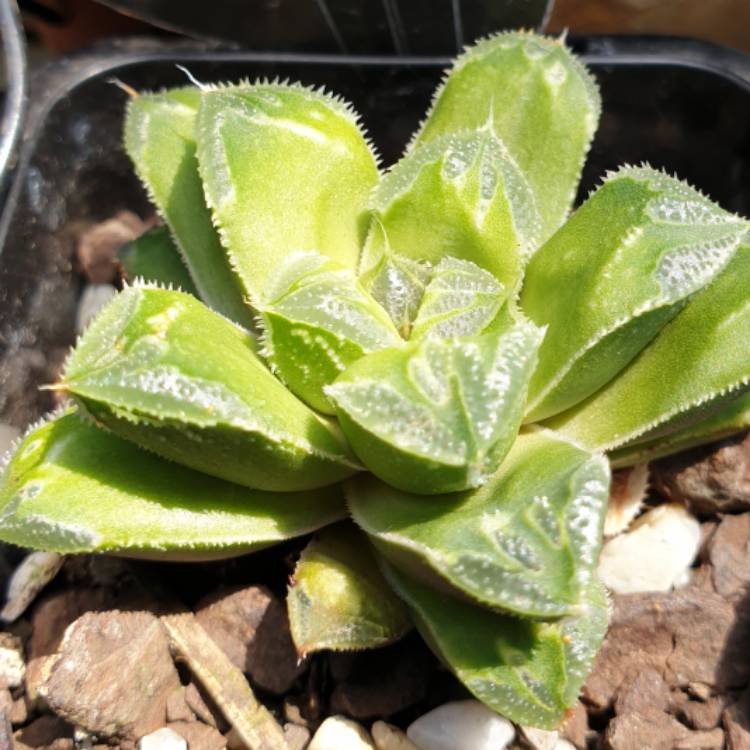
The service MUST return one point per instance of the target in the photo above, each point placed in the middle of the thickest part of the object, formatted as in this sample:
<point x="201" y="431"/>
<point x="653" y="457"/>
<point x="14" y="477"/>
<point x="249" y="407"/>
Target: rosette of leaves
<point x="429" y="366"/>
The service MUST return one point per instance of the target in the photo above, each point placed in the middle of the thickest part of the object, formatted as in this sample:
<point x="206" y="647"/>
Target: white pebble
<point x="12" y="667"/>
<point x="28" y="579"/>
<point x="162" y="739"/>
<point x="540" y="739"/>
<point x="461" y="725"/>
<point x="338" y="733"/>
<point x="564" y="745"/>
<point x="654" y="555"/>
<point x="93" y="299"/>
<point x="388" y="737"/>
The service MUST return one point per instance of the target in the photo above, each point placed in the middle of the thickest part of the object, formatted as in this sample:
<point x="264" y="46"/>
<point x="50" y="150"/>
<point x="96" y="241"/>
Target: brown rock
<point x="297" y="737"/>
<point x="19" y="711"/>
<point x="711" y="740"/>
<point x="650" y="728"/>
<point x="112" y="675"/>
<point x="252" y="628"/>
<point x="97" y="247"/>
<point x="575" y="727"/>
<point x="199" y="736"/>
<point x="703" y="715"/>
<point x="736" y="721"/>
<point x="710" y="479"/>
<point x="202" y="706"/>
<point x="647" y="689"/>
<point x="689" y="635"/>
<point x="44" y="731"/>
<point x="729" y="555"/>
<point x="177" y="707"/>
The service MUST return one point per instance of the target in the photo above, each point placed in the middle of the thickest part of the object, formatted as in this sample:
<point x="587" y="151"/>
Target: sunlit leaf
<point x="339" y="599"/>
<point x="530" y="672"/>
<point x="159" y="368"/>
<point x="318" y="321"/>
<point x="527" y="541"/>
<point x="462" y="196"/>
<point x="542" y="103"/>
<point x="72" y="487"/>
<point x="694" y="367"/>
<point x="621" y="268"/>
<point x="160" y="140"/>
<point x="440" y="414"/>
<point x="285" y="169"/>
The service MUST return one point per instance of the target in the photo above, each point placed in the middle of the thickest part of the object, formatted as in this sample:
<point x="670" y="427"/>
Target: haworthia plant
<point x="409" y="323"/>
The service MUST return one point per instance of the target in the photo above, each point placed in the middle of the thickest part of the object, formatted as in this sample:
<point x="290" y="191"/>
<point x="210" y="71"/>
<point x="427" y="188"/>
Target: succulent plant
<point x="434" y="366"/>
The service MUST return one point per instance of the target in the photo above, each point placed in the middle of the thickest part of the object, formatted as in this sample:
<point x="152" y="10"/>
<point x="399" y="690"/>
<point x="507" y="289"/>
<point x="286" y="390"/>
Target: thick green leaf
<point x="694" y="367"/>
<point x="438" y="415"/>
<point x="461" y="299"/>
<point x="729" y="420"/>
<point x="621" y="268"/>
<point x="339" y="599"/>
<point x="461" y="196"/>
<point x="319" y="319"/>
<point x="160" y="140"/>
<point x="396" y="283"/>
<point x="527" y="541"/>
<point x="529" y="671"/>
<point x="285" y="169"/>
<point x="155" y="257"/>
<point x="159" y="368"/>
<point x="72" y="487"/>
<point x="543" y="104"/>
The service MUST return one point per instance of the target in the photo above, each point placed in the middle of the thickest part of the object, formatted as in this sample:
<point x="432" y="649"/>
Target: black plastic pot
<point x="683" y="106"/>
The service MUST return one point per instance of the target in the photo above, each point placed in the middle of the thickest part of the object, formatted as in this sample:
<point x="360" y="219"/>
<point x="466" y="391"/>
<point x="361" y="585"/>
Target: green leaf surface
<point x="285" y="169"/>
<point x="527" y="541"/>
<point x="160" y="140"/>
<point x="621" y="268"/>
<point x="694" y="367"/>
<point x="728" y="421"/>
<point x="154" y="257"/>
<point x="396" y="283"/>
<point x="528" y="671"/>
<point x="72" y="487"/>
<point x="461" y="299"/>
<point x="319" y="319"/>
<point x="159" y="368"/>
<point x="440" y="414"/>
<point x="542" y="103"/>
<point x="461" y="196"/>
<point x="339" y="599"/>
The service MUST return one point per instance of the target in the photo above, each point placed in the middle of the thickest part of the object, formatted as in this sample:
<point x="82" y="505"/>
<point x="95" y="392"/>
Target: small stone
<point x="626" y="495"/>
<point x="251" y="626"/>
<point x="177" y="707"/>
<point x="28" y="579"/>
<point x="648" y="729"/>
<point x="575" y="726"/>
<point x="729" y="556"/>
<point x="703" y="715"/>
<point x="198" y="704"/>
<point x="162" y="739"/>
<point x="646" y="690"/>
<point x="710" y="479"/>
<point x="19" y="711"/>
<point x="12" y="665"/>
<point x="388" y="737"/>
<point x="297" y="737"/>
<point x="93" y="299"/>
<point x="98" y="246"/>
<point x="112" y="674"/>
<point x="461" y="725"/>
<point x="564" y="745"/>
<point x="654" y="554"/>
<point x="44" y="731"/>
<point x="199" y="736"/>
<point x="540" y="739"/>
<point x="712" y="740"/>
<point x="338" y="733"/>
